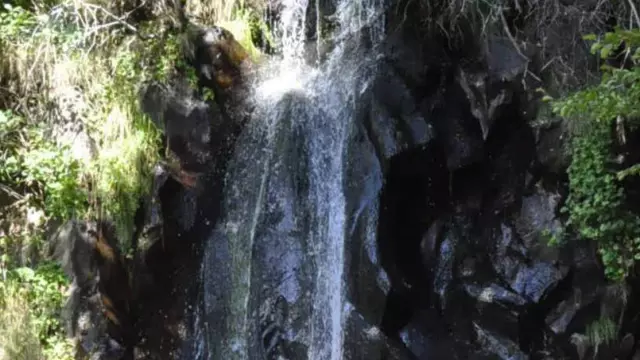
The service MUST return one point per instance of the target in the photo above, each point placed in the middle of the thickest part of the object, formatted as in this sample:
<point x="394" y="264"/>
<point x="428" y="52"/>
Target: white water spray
<point x="322" y="114"/>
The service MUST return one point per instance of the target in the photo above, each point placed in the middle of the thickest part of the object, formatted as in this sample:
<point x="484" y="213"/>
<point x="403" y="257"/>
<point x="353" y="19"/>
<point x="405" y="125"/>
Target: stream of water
<point x="282" y="234"/>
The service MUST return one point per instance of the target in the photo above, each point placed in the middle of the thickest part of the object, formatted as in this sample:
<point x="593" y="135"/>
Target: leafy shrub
<point x="596" y="203"/>
<point x="29" y="161"/>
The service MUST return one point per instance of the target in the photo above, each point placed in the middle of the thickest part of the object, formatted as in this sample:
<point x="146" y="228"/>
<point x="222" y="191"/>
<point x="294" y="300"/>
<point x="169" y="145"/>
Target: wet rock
<point x="390" y="117"/>
<point x="365" y="341"/>
<point x="217" y="57"/>
<point x="369" y="284"/>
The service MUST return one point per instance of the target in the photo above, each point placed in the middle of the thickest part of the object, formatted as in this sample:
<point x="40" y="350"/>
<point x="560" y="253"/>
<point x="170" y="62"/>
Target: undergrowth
<point x="596" y="205"/>
<point x="30" y="305"/>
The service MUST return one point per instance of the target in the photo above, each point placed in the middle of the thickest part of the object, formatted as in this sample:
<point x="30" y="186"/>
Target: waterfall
<point x="273" y="269"/>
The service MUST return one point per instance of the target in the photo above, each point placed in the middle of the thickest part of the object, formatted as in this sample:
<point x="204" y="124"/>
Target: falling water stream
<point x="273" y="270"/>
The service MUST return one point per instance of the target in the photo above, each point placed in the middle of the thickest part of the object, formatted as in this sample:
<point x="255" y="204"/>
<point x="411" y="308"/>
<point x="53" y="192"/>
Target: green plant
<point x="15" y="22"/>
<point x="18" y="335"/>
<point x="596" y="203"/>
<point x="31" y="302"/>
<point x="29" y="160"/>
<point x="80" y="51"/>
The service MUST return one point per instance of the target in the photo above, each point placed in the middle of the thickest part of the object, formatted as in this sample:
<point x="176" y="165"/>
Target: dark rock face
<point x="98" y="307"/>
<point x="465" y="219"/>
<point x="202" y="135"/>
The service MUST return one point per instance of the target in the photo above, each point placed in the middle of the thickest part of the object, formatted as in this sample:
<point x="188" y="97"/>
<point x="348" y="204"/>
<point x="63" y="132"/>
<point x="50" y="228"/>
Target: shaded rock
<point x="505" y="63"/>
<point x="98" y="306"/>
<point x="497" y="345"/>
<point x="561" y="316"/>
<point x="457" y="130"/>
<point x="552" y="145"/>
<point x="389" y="115"/>
<point x="510" y="152"/>
<point x="614" y="302"/>
<point x="430" y="245"/>
<point x="625" y="349"/>
<point x="537" y="220"/>
<point x="414" y="193"/>
<point x="186" y="124"/>
<point x="426" y="335"/>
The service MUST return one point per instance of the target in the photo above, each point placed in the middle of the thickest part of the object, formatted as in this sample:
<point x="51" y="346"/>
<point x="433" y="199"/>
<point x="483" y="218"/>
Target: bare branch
<point x="634" y="11"/>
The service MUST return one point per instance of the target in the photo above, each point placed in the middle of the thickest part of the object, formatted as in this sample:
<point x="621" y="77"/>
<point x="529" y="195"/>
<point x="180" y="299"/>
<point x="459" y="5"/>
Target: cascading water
<point x="273" y="270"/>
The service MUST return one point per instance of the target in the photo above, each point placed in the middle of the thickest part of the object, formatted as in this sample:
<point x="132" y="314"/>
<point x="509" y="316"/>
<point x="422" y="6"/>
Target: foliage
<point x="92" y="72"/>
<point x="596" y="203"/>
<point x="31" y="301"/>
<point x="29" y="160"/>
<point x="79" y="65"/>
<point x="245" y="25"/>
<point x="68" y="65"/>
<point x="618" y="91"/>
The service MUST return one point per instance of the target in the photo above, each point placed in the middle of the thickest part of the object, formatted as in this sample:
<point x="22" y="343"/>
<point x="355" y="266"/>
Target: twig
<point x="11" y="192"/>
<point x="634" y="11"/>
<point x="118" y="19"/>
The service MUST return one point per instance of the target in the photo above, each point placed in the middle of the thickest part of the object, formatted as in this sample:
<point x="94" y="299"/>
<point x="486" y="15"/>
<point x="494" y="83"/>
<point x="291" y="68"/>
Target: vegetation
<point x="73" y="70"/>
<point x="596" y="205"/>
<point x="38" y="333"/>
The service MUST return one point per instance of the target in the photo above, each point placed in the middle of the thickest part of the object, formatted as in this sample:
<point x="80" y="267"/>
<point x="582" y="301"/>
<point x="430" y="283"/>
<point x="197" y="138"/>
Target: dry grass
<point x="18" y="335"/>
<point x="216" y="12"/>
<point x="60" y="78"/>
